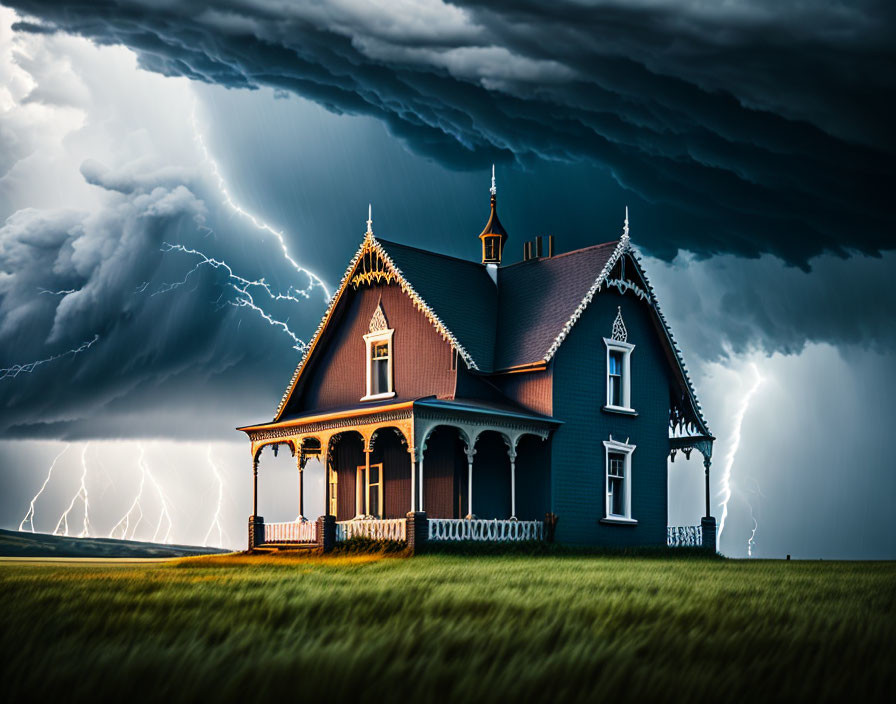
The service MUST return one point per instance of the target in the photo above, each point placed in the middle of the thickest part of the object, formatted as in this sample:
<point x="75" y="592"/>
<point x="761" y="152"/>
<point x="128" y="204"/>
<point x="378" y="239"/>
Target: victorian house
<point x="452" y="399"/>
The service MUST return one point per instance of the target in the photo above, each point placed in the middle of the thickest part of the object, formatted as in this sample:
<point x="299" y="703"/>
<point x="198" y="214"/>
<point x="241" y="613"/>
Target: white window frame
<point x="622" y="448"/>
<point x="626" y="349"/>
<point x="369" y="340"/>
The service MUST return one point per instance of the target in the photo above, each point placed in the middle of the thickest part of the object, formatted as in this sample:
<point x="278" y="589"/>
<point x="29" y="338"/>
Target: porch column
<point x="420" y="488"/>
<point x="328" y="467"/>
<point x="470" y="452"/>
<point x="255" y="483"/>
<point x="512" y="454"/>
<point x="367" y="481"/>
<point x="301" y="465"/>
<point x="413" y="452"/>
<point x="706" y="462"/>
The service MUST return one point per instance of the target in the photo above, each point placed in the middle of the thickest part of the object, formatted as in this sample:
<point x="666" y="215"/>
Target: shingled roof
<point x="460" y="291"/>
<point x="537" y="299"/>
<point x="523" y="320"/>
<point x="520" y="320"/>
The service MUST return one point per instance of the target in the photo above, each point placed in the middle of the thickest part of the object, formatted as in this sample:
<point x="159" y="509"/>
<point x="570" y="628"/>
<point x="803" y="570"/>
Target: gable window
<point x="619" y="351"/>
<point x="378" y="344"/>
<point x="379" y="368"/>
<point x="618" y="496"/>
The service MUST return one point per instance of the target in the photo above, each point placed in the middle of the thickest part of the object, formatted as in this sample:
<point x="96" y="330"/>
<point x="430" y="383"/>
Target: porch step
<point x="280" y="547"/>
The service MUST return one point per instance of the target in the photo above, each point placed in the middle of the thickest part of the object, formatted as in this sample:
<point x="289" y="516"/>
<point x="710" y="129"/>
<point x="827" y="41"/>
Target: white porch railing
<point x="481" y="529"/>
<point x="292" y="532"/>
<point x="684" y="536"/>
<point x="373" y="528"/>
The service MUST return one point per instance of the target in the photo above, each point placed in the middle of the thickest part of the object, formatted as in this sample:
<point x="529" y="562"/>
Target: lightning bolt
<point x="164" y="514"/>
<point x="29" y="367"/>
<point x="80" y="494"/>
<point x="735" y="444"/>
<point x="313" y="279"/>
<point x="751" y="541"/>
<point x="216" y="525"/>
<point x="29" y="515"/>
<point x="125" y="522"/>
<point x="61" y="292"/>
<point x="242" y="286"/>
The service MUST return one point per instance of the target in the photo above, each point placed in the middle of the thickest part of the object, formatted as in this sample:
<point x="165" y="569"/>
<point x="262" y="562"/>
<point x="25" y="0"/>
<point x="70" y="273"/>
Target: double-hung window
<point x="619" y="392"/>
<point x="615" y="484"/>
<point x="379" y="365"/>
<point x="618" y="473"/>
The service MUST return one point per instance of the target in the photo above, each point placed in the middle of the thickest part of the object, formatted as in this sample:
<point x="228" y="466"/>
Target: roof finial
<point x="493" y="190"/>
<point x="625" y="225"/>
<point x="369" y="219"/>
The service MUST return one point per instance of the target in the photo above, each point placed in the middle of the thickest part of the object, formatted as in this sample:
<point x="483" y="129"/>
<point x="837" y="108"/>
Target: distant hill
<point x="18" y="544"/>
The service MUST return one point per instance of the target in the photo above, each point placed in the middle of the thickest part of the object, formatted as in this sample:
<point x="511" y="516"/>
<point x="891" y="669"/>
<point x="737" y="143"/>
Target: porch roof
<point x="477" y="406"/>
<point x="461" y="406"/>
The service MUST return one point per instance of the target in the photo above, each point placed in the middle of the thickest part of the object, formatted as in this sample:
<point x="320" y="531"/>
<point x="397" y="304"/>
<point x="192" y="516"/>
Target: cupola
<point x="493" y="236"/>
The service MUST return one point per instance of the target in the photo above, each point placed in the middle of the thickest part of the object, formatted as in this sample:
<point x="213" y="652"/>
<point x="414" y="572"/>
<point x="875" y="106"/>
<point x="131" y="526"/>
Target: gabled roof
<point x="453" y="285"/>
<point x="703" y="426"/>
<point x="541" y="299"/>
<point x="524" y="320"/>
<point x="460" y="291"/>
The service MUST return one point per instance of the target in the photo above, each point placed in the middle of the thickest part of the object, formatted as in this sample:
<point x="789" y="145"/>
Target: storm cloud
<point x="123" y="277"/>
<point x="760" y="127"/>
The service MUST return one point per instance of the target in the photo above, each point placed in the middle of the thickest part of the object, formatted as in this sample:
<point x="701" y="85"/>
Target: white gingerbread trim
<point x="378" y="322"/>
<point x="678" y="355"/>
<point x="621" y="248"/>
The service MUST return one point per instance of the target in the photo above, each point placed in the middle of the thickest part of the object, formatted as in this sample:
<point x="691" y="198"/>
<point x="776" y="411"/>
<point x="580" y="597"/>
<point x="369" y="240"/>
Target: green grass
<point x="449" y="627"/>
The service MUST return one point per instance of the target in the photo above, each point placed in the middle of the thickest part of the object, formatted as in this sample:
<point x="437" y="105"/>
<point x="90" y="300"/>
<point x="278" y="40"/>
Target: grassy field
<point x="441" y="627"/>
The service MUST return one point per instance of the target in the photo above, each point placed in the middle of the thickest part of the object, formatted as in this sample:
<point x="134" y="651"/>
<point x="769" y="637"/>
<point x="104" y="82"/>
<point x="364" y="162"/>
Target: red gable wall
<point x="336" y="374"/>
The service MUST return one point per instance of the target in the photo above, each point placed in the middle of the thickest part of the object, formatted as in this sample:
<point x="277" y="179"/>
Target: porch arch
<point x="442" y="465"/>
<point x="388" y="448"/>
<point x="346" y="451"/>
<point x="491" y="475"/>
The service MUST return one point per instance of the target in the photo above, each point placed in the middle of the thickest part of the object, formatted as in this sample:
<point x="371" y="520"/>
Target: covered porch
<point x="426" y="469"/>
<point x="704" y="534"/>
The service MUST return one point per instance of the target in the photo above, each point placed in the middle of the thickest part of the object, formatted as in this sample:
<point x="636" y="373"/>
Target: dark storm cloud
<point x="733" y="305"/>
<point x="760" y="127"/>
<point x="68" y="278"/>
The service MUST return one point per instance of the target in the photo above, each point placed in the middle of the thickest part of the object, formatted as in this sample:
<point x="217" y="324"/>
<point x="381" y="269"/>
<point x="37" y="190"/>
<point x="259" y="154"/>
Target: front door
<point x="370" y="489"/>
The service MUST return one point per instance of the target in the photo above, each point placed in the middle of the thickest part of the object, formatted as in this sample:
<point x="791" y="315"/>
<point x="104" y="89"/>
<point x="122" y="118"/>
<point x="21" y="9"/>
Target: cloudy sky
<point x="182" y="183"/>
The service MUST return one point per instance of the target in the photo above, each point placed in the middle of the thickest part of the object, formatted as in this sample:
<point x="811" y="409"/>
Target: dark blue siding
<point x="577" y="462"/>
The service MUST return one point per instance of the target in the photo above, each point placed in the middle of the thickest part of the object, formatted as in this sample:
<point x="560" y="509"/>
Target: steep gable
<point x="379" y="261"/>
<point x="524" y="320"/>
<point x="460" y="292"/>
